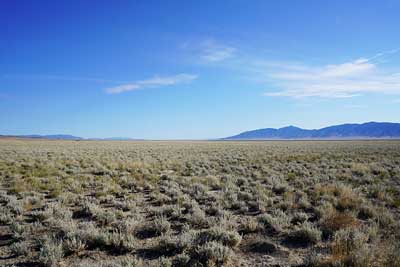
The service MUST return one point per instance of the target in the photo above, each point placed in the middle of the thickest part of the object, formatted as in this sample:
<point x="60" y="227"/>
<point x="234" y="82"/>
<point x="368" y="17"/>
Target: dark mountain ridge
<point x="344" y="131"/>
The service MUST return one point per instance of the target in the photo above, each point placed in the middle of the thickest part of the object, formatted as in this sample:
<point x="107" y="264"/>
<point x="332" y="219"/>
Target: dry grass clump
<point x="348" y="199"/>
<point x="335" y="221"/>
<point x="359" y="248"/>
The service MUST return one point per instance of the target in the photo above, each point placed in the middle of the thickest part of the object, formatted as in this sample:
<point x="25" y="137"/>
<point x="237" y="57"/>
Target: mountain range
<point x="68" y="137"/>
<point x="369" y="130"/>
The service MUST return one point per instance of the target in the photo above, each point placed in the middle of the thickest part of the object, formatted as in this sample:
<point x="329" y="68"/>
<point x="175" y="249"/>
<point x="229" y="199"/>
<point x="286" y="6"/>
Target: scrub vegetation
<point x="117" y="204"/>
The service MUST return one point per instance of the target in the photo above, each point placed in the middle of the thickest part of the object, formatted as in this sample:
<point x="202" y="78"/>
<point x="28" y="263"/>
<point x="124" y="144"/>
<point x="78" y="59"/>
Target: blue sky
<point x="195" y="69"/>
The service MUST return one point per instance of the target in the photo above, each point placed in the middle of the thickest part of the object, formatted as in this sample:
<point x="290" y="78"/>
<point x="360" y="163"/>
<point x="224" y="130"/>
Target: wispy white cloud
<point x="215" y="52"/>
<point x="58" y="78"/>
<point x="344" y="80"/>
<point x="379" y="57"/>
<point x="155" y="82"/>
<point x="209" y="50"/>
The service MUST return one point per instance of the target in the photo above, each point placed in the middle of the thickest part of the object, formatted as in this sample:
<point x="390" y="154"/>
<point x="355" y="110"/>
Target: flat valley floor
<point x="184" y="203"/>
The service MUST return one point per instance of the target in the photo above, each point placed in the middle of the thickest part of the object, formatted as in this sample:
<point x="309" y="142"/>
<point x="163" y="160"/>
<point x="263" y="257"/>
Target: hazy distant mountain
<point x="52" y="137"/>
<point x="114" y="139"/>
<point x="344" y="131"/>
<point x="67" y="137"/>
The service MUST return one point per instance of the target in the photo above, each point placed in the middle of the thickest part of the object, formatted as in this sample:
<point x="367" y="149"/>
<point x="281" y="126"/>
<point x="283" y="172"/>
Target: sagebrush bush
<point x="18" y="230"/>
<point x="51" y="252"/>
<point x="161" y="225"/>
<point x="181" y="260"/>
<point x="347" y="241"/>
<point x="306" y="234"/>
<point x="249" y="225"/>
<point x="128" y="225"/>
<point x="197" y="217"/>
<point x="105" y="217"/>
<point x="164" y="262"/>
<point x="20" y="248"/>
<point x="169" y="245"/>
<point x="213" y="254"/>
<point x="74" y="244"/>
<point x="6" y="217"/>
<point x="277" y="221"/>
<point x="221" y="235"/>
<point x="126" y="261"/>
<point x="367" y="211"/>
<point x="121" y="242"/>
<point x="14" y="205"/>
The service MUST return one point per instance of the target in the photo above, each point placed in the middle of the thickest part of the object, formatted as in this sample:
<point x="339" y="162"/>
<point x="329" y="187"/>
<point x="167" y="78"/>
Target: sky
<point x="195" y="69"/>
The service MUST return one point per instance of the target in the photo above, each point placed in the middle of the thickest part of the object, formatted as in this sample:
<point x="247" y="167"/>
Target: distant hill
<point x="51" y="137"/>
<point x="343" y="131"/>
<point x="114" y="139"/>
<point x="66" y="137"/>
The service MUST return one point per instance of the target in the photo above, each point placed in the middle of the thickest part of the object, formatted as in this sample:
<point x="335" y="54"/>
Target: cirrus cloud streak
<point x="154" y="82"/>
<point x="344" y="80"/>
